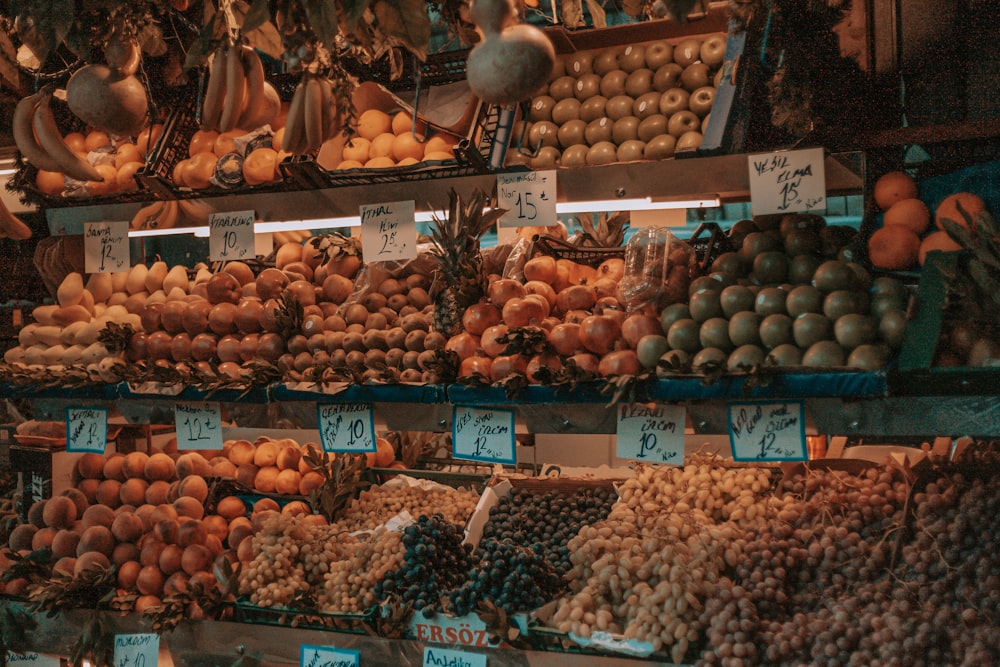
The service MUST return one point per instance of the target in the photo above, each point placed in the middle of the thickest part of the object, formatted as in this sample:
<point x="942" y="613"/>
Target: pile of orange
<point x="906" y="235"/>
<point x="384" y="140"/>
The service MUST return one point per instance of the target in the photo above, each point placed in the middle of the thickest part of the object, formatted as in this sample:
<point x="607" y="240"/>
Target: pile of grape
<point x="435" y="562"/>
<point x="278" y="571"/>
<point x="513" y="577"/>
<point x="379" y="504"/>
<point x="352" y="582"/>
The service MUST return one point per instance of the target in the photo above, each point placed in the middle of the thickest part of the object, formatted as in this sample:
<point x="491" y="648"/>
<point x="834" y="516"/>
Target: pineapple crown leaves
<point x="331" y="246"/>
<point x="609" y="232"/>
<point x="456" y="240"/>
<point x="979" y="236"/>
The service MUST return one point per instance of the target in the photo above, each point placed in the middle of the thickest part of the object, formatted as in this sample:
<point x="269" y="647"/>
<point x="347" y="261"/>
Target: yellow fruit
<point x="379" y="163"/>
<point x="126" y="176"/>
<point x="405" y="146"/>
<point x="201" y="141"/>
<point x="440" y="143"/>
<point x="373" y="122"/>
<point x="260" y="166"/>
<point x="95" y="139"/>
<point x="199" y="169"/>
<point x="382" y="145"/>
<point x="108" y="185"/>
<point x="357" y="149"/>
<point x="349" y="164"/>
<point x="76" y="142"/>
<point x="125" y="153"/>
<point x="51" y="183"/>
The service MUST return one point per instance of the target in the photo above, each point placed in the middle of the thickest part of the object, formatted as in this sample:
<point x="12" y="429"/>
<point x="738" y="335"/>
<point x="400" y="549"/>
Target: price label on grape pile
<point x="137" y="650"/>
<point x="86" y="430"/>
<point x="651" y="432"/>
<point x="199" y="425"/>
<point x="230" y="236"/>
<point x="768" y="431"/>
<point x="347" y="428"/>
<point x="483" y="435"/>
<point x="327" y="656"/>
<point x="442" y="657"/>
<point x="528" y="197"/>
<point x="32" y="658"/>
<point x="388" y="231"/>
<point x="105" y="247"/>
<point x="787" y="181"/>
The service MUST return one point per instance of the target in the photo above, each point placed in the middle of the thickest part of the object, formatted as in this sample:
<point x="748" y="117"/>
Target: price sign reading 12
<point x="768" y="431"/>
<point x="528" y="197"/>
<point x="231" y="235"/>
<point x="86" y="430"/>
<point x="389" y="231"/>
<point x="199" y="425"/>
<point x="483" y="435"/>
<point x="347" y="428"/>
<point x="651" y="432"/>
<point x="138" y="650"/>
<point x="787" y="181"/>
<point x="105" y="247"/>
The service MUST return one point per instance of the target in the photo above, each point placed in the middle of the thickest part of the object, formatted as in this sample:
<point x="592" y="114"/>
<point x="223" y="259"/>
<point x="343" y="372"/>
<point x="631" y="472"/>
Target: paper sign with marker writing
<point x="441" y="657"/>
<point x="651" y="432"/>
<point x="199" y="425"/>
<point x="388" y="231"/>
<point x="483" y="435"/>
<point x="230" y="236"/>
<point x="347" y="428"/>
<point x="138" y="650"/>
<point x="86" y="430"/>
<point x="327" y="656"/>
<point x="105" y="247"/>
<point x="768" y="431"/>
<point x="787" y="181"/>
<point x="32" y="658"/>
<point x="528" y="197"/>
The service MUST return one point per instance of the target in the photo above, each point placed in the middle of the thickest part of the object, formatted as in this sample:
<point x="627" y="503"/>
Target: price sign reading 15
<point x="199" y="425"/>
<point x="347" y="428"/>
<point x="787" y="181"/>
<point x="652" y="433"/>
<point x="105" y="247"/>
<point x="528" y="197"/>
<point x="768" y="431"/>
<point x="231" y="235"/>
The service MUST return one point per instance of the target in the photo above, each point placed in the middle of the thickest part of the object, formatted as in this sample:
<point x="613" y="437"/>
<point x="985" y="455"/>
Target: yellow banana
<point x="11" y="226"/>
<point x="146" y="213"/>
<point x="194" y="211"/>
<point x="51" y="141"/>
<point x="331" y="120"/>
<point x="279" y="238"/>
<point x="215" y="91"/>
<point x="236" y="90"/>
<point x="294" y="139"/>
<point x="313" y="113"/>
<point x="24" y="134"/>
<point x="262" y="101"/>
<point x="167" y="217"/>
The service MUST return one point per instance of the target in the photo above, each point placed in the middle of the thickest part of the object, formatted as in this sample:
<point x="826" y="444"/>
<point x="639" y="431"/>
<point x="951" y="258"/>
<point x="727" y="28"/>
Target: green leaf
<point x="407" y="22"/>
<point x="266" y="39"/>
<point x="213" y="30"/>
<point x="43" y="24"/>
<point x="257" y="15"/>
<point x="322" y="17"/>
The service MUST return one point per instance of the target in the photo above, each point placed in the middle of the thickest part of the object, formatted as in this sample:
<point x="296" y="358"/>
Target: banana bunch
<point x="237" y="94"/>
<point x="290" y="236"/>
<point x="11" y="226"/>
<point x="312" y="115"/>
<point x="38" y="139"/>
<point x="172" y="213"/>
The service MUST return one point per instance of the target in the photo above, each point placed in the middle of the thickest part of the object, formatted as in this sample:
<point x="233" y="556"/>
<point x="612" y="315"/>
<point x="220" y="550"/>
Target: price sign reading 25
<point x="199" y="425"/>
<point x="528" y="197"/>
<point x="347" y="428"/>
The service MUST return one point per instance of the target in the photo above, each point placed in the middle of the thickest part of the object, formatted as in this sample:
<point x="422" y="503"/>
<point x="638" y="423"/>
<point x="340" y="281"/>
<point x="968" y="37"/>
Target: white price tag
<point x="787" y="181"/>
<point x="327" y="656"/>
<point x="347" y="428"/>
<point x="138" y="650"/>
<point x="32" y="658"/>
<point x="483" y="435"/>
<point x="529" y="198"/>
<point x="651" y="432"/>
<point x="388" y="231"/>
<point x="105" y="247"/>
<point x="230" y="236"/>
<point x="768" y="431"/>
<point x="443" y="657"/>
<point x="86" y="430"/>
<point x="199" y="425"/>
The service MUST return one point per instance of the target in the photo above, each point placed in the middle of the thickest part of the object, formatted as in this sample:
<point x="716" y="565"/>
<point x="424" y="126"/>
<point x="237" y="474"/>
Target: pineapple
<point x="459" y="280"/>
<point x="609" y="232"/>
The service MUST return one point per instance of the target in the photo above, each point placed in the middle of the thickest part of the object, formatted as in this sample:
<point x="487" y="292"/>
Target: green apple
<point x="681" y="122"/>
<point x="674" y="100"/>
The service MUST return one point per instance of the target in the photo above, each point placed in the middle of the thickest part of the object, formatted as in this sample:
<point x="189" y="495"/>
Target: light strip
<point x="169" y="231"/>
<point x="279" y="226"/>
<point x="643" y="204"/>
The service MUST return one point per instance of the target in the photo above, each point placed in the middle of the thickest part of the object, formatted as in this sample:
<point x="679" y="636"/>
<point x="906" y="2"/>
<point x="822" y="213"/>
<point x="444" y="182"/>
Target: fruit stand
<point x="823" y="396"/>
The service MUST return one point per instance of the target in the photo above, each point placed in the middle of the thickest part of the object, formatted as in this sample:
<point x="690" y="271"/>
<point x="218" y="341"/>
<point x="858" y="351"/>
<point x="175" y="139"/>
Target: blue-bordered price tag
<point x="327" y="656"/>
<point x="483" y="435"/>
<point x="230" y="236"/>
<point x="442" y="657"/>
<point x="651" y="432"/>
<point x="198" y="425"/>
<point x="347" y="427"/>
<point x="388" y="231"/>
<point x="137" y="650"/>
<point x="768" y="431"/>
<point x="787" y="181"/>
<point x="86" y="430"/>
<point x="529" y="198"/>
<point x="105" y="247"/>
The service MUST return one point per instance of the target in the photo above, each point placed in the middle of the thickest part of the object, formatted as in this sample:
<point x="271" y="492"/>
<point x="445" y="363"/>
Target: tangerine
<point x="911" y="212"/>
<point x="382" y="146"/>
<point x="406" y="146"/>
<point x="894" y="247"/>
<point x="51" y="183"/>
<point x="202" y="140"/>
<point x="373" y="122"/>
<point x="892" y="187"/>
<point x="970" y="204"/>
<point x="936" y="241"/>
<point x="260" y="166"/>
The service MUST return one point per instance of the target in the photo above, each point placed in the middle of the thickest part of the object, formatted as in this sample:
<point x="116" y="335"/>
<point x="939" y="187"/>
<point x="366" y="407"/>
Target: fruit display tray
<point x="361" y="624"/>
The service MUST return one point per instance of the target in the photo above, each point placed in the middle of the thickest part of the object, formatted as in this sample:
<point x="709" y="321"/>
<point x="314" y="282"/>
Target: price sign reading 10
<point x="347" y="428"/>
<point x="231" y="235"/>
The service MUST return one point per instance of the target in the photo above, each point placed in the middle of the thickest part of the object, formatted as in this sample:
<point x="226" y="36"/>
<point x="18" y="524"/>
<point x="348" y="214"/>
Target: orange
<point x="440" y="143"/>
<point x="438" y="155"/>
<point x="260" y="166"/>
<point x="948" y="209"/>
<point x="51" y="182"/>
<point x="373" y="122"/>
<point x="177" y="173"/>
<point x="224" y="142"/>
<point x="125" y="153"/>
<point x="202" y="140"/>
<point x="349" y="164"/>
<point x="277" y="138"/>
<point x="910" y="212"/>
<point x="379" y="163"/>
<point x="95" y="139"/>
<point x="937" y="241"/>
<point x="382" y="145"/>
<point x="200" y="168"/>
<point x="75" y="141"/>
<point x="894" y="247"/>
<point x="148" y="137"/>
<point x="357" y="149"/>
<point x="402" y="123"/>
<point x="406" y="146"/>
<point x="108" y="185"/>
<point x="126" y="176"/>
<point x="407" y="161"/>
<point x="892" y="187"/>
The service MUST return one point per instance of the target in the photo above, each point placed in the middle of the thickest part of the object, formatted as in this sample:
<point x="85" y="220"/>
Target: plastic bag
<point x="658" y="270"/>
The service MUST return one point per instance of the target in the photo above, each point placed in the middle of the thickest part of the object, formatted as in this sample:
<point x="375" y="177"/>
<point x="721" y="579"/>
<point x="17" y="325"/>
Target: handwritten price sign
<point x="483" y="435"/>
<point x="139" y="650"/>
<point x="389" y="231"/>
<point x="653" y="433"/>
<point x="347" y="428"/>
<point x="105" y="247"/>
<point x="768" y="431"/>
<point x="787" y="181"/>
<point x="327" y="656"/>
<point x="199" y="425"/>
<point x="529" y="198"/>
<point x="86" y="430"/>
<point x="32" y="658"/>
<point x="230" y="235"/>
<point x="441" y="657"/>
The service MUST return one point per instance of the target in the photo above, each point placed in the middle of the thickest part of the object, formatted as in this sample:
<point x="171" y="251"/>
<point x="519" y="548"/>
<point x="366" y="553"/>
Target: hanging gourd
<point x="110" y="97"/>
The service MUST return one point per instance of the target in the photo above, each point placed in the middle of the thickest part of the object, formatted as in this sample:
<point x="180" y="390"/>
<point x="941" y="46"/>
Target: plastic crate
<point x="358" y="623"/>
<point x="591" y="256"/>
<point x="709" y="241"/>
